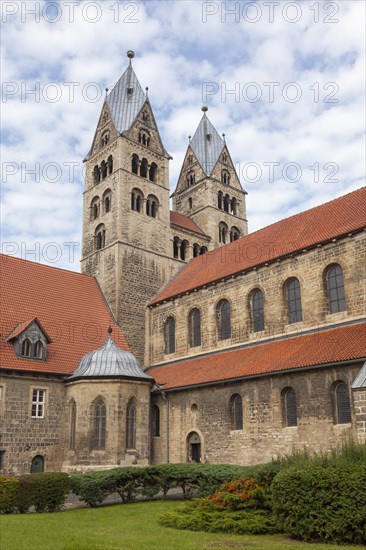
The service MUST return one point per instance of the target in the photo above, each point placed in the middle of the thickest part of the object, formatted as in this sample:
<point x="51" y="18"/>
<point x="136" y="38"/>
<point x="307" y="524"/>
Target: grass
<point x="126" y="527"/>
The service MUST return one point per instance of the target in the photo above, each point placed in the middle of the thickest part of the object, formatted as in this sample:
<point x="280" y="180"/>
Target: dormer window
<point x="129" y="91"/>
<point x="29" y="340"/>
<point x="208" y="137"/>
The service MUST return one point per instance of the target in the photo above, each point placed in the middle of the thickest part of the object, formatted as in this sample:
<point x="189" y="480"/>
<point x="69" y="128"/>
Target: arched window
<point x="233" y="206"/>
<point x="225" y="177"/>
<point x="190" y="203"/>
<point x="135" y="164"/>
<point x="152" y="206"/>
<point x="293" y="295"/>
<point x="110" y="164"/>
<point x="194" y="323"/>
<point x="96" y="174"/>
<point x="223" y="320"/>
<point x="220" y="200"/>
<point x="341" y="403"/>
<point x="257" y="309"/>
<point x="105" y="139"/>
<point x="143" y="168"/>
<point x="103" y="169"/>
<point x="196" y="250"/>
<point x="136" y="200"/>
<point x="236" y="412"/>
<point x="95" y="211"/>
<point x="38" y="350"/>
<point x="223" y="230"/>
<point x="131" y="426"/>
<point x="226" y="203"/>
<point x="183" y="249"/>
<point x="99" y="424"/>
<point x="153" y="171"/>
<point x="176" y="242"/>
<point x="156" y="421"/>
<point x="99" y="237"/>
<point x="289" y="407"/>
<point x="26" y="348"/>
<point x="105" y="117"/>
<point x="224" y="158"/>
<point x="170" y="335"/>
<point x="203" y="250"/>
<point x="190" y="159"/>
<point x="72" y="412"/>
<point x="335" y="289"/>
<point x="145" y="117"/>
<point x="107" y="203"/>
<point x="234" y="234"/>
<point x="191" y="178"/>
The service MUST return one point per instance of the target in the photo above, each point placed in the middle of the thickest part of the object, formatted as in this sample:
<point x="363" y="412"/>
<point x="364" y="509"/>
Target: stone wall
<point x="307" y="266"/>
<point x="206" y="411"/>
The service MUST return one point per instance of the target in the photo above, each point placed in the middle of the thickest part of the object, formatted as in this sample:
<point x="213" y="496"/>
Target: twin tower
<point x="133" y="243"/>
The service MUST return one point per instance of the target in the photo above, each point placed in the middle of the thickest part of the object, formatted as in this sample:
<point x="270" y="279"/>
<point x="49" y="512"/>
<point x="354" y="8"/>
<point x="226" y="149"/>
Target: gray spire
<point x="207" y="144"/>
<point x="126" y="100"/>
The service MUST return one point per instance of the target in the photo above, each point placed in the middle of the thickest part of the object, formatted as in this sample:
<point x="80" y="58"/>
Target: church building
<point x="184" y="338"/>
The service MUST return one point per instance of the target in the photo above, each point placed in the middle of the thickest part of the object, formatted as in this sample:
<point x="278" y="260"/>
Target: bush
<point x="9" y="487"/>
<point x="323" y="500"/>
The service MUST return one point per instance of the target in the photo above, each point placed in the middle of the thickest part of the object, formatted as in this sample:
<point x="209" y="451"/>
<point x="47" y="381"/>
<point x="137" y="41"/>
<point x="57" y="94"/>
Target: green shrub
<point x="323" y="500"/>
<point x="9" y="487"/>
<point x="45" y="491"/>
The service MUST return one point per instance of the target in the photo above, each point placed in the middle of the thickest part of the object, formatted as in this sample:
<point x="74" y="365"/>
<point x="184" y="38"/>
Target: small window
<point x="225" y="177"/>
<point x="220" y="200"/>
<point x="153" y="171"/>
<point x="107" y="204"/>
<point x="96" y="174"/>
<point x="176" y="246"/>
<point x="223" y="231"/>
<point x="136" y="200"/>
<point x="100" y="235"/>
<point x="99" y="425"/>
<point x="144" y="168"/>
<point x="103" y="169"/>
<point x="38" y="403"/>
<point x="190" y="159"/>
<point x="203" y="250"/>
<point x="26" y="348"/>
<point x="135" y="164"/>
<point x="233" y="206"/>
<point x="223" y="320"/>
<point x="38" y="350"/>
<point x="190" y="203"/>
<point x="226" y="203"/>
<point x="234" y="234"/>
<point x="156" y="421"/>
<point x="152" y="206"/>
<point x="2" y="460"/>
<point x="293" y="300"/>
<point x="236" y="412"/>
<point x="194" y="321"/>
<point x="257" y="309"/>
<point x="95" y="211"/>
<point x="183" y="249"/>
<point x="105" y="139"/>
<point x="110" y="164"/>
<point x="131" y="426"/>
<point x="289" y="407"/>
<point x="105" y="117"/>
<point x="335" y="289"/>
<point x="196" y="250"/>
<point x="170" y="335"/>
<point x="191" y="179"/>
<point x="341" y="403"/>
<point x="72" y="411"/>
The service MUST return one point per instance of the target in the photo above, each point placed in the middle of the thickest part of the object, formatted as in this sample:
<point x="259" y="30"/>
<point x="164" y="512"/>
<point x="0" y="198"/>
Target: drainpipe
<point x="166" y="427"/>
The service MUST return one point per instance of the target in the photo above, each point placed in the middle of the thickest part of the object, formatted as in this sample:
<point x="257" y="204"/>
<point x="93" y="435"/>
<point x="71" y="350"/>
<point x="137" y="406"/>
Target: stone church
<point x="184" y="338"/>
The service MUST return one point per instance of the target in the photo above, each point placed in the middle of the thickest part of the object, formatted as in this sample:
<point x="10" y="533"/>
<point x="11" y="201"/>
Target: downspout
<point x="166" y="427"/>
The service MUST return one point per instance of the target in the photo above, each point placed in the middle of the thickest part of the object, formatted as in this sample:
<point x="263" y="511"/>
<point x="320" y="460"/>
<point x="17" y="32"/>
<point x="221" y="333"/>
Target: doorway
<point x="194" y="447"/>
<point x="37" y="464"/>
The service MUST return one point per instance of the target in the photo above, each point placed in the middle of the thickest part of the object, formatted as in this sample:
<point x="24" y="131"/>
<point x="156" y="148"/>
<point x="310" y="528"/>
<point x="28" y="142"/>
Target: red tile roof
<point x="320" y="224"/>
<point x="69" y="306"/>
<point x="185" y="223"/>
<point x="324" y="347"/>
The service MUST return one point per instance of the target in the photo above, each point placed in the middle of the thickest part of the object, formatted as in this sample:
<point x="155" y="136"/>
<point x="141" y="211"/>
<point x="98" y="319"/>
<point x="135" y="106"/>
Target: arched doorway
<point x="37" y="464"/>
<point x="194" y="447"/>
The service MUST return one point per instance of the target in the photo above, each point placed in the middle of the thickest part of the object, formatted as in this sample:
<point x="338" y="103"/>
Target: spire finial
<point x="189" y="138"/>
<point x="204" y="108"/>
<point x="147" y="90"/>
<point x="130" y="55"/>
<point x="106" y="91"/>
<point x="223" y="137"/>
<point x="110" y="330"/>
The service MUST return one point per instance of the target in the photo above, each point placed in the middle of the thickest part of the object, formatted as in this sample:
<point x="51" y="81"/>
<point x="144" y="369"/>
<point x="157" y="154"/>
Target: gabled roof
<point x="123" y="104"/>
<point x="207" y="145"/>
<point x="21" y="327"/>
<point x="185" y="223"/>
<point x="319" y="348"/>
<point x="70" y="306"/>
<point x="323" y="223"/>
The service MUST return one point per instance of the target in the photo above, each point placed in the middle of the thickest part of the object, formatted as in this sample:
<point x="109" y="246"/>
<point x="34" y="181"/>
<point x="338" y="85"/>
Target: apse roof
<point x="109" y="361"/>
<point x="207" y="144"/>
<point x="125" y="100"/>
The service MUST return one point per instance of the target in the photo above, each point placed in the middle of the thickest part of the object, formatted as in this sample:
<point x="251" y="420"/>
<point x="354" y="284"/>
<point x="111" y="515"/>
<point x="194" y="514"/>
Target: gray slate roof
<point x="125" y="106"/>
<point x="360" y="380"/>
<point x="109" y="360"/>
<point x="207" y="149"/>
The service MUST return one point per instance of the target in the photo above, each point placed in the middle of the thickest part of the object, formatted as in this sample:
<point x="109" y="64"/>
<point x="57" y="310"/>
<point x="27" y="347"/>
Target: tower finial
<point x="204" y="108"/>
<point x="223" y="137"/>
<point x="106" y="91"/>
<point x="130" y="55"/>
<point x="147" y="91"/>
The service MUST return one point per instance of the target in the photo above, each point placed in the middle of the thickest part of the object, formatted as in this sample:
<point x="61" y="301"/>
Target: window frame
<point x="99" y="426"/>
<point x="293" y="300"/>
<point x="289" y="407"/>
<point x="224" y="324"/>
<point x="336" y="293"/>
<point x="169" y="334"/>
<point x="341" y="410"/>
<point x="131" y="426"/>
<point x="195" y="332"/>
<point x="38" y="404"/>
<point x="257" y="305"/>
<point x="236" y="412"/>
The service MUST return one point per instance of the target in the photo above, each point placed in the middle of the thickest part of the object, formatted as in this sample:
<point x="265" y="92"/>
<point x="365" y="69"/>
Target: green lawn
<point x="125" y="527"/>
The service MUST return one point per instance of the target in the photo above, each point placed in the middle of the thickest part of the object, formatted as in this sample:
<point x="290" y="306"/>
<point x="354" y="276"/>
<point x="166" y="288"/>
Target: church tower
<point x="126" y="240"/>
<point x="208" y="189"/>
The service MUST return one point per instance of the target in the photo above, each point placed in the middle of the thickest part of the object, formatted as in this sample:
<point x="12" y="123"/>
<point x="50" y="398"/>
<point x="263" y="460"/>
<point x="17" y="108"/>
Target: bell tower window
<point x="135" y="164"/>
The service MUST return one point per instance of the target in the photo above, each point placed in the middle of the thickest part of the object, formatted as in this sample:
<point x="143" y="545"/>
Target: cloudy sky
<point x="283" y="80"/>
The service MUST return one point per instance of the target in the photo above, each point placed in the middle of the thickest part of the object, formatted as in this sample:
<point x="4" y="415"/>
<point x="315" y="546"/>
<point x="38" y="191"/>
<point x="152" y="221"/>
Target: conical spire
<point x="126" y="98"/>
<point x="207" y="144"/>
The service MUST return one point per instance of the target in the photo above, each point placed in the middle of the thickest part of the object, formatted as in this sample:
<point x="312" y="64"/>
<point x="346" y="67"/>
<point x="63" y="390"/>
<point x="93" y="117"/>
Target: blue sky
<point x="283" y="80"/>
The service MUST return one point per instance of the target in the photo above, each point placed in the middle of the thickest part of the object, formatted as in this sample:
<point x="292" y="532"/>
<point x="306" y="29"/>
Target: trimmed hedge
<point x="197" y="479"/>
<point x="46" y="492"/>
<point x="322" y="501"/>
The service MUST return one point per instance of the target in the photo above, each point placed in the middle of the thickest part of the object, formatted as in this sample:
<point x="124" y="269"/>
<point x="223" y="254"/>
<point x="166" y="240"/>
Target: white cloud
<point x="176" y="52"/>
